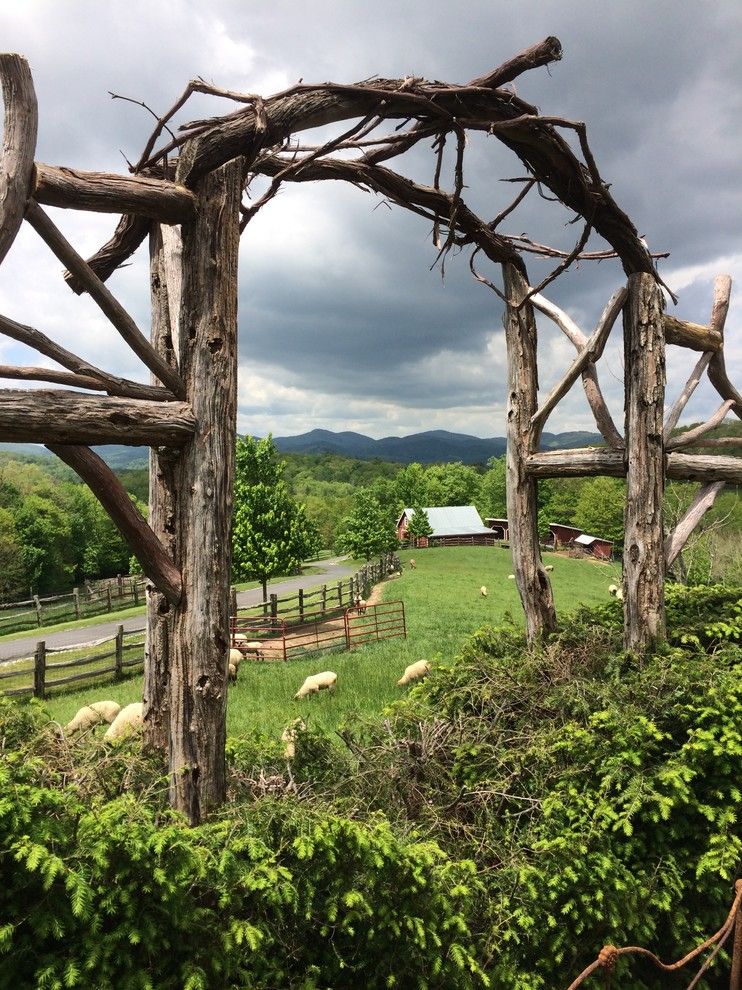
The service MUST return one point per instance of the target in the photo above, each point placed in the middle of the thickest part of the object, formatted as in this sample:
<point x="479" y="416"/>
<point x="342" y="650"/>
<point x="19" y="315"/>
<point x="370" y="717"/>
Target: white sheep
<point x="288" y="736"/>
<point x="511" y="577"/>
<point x="549" y="567"/>
<point x="412" y="563"/>
<point x="414" y="672"/>
<point x="612" y="589"/>
<point x="316" y="683"/>
<point x="128" y="720"/>
<point x="89" y="715"/>
<point x="235" y="657"/>
<point x="619" y="594"/>
<point x="245" y="645"/>
<point x="360" y="604"/>
<point x="483" y="591"/>
<point x="232" y="672"/>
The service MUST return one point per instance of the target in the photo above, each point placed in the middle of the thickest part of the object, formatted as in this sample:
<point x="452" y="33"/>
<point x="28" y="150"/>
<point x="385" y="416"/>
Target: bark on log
<point x="112" y="495"/>
<point x="106" y="192"/>
<point x="108" y="383"/>
<point x="698" y="508"/>
<point x="586" y="462"/>
<point x="106" y="301"/>
<point x="66" y="417"/>
<point x="643" y="559"/>
<point x="589" y="354"/>
<point x="19" y="144"/>
<point x="531" y="578"/>
<point x="129" y="234"/>
<point x="603" y="418"/>
<point x="692" y="335"/>
<point x="204" y="482"/>
<point x="164" y="275"/>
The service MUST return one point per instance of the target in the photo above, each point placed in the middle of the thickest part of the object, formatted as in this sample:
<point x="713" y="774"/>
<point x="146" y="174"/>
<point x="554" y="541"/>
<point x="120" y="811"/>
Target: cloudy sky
<point x="343" y="324"/>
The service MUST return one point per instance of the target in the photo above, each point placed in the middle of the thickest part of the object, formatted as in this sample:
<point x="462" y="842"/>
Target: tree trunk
<point x="644" y="558"/>
<point x="165" y="281"/>
<point x="204" y="482"/>
<point x="530" y="576"/>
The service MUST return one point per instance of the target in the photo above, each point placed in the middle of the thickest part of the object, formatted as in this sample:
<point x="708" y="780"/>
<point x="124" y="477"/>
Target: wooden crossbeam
<point x="588" y="461"/>
<point x="695" y="336"/>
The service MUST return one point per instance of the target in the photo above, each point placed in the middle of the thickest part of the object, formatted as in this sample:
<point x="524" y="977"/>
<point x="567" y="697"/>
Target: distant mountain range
<point x="425" y="448"/>
<point x="434" y="446"/>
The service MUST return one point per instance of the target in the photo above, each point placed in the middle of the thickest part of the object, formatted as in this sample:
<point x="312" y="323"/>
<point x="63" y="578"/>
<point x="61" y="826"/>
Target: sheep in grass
<point x="483" y="591"/>
<point x="90" y="715"/>
<point x="316" y="683"/>
<point x="412" y="563"/>
<point x="511" y="577"/>
<point x="415" y="672"/>
<point x="360" y="604"/>
<point x="289" y="735"/>
<point x="549" y="567"/>
<point x="244" y="645"/>
<point x="128" y="721"/>
<point x="612" y="589"/>
<point x="619" y="594"/>
<point x="233" y="673"/>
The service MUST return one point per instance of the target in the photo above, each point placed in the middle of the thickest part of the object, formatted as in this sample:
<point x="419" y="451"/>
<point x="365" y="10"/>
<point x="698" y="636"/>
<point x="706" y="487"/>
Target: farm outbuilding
<point x="499" y="527"/>
<point x="595" y="546"/>
<point x="452" y="525"/>
<point x="562" y="536"/>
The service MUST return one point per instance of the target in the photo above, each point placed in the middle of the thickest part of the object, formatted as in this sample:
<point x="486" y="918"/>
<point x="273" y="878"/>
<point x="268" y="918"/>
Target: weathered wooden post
<point x="520" y="337"/>
<point x="204" y="479"/>
<point x="644" y="557"/>
<point x="119" y="660"/>
<point x="76" y="601"/>
<point x="37" y="606"/>
<point x="39" y="670"/>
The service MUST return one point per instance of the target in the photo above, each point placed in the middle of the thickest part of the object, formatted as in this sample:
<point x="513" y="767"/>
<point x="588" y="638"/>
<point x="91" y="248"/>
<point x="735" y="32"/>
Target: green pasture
<point x="443" y="605"/>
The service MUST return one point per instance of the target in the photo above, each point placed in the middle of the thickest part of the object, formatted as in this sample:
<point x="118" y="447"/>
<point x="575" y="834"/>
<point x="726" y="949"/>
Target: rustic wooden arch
<point x="187" y="414"/>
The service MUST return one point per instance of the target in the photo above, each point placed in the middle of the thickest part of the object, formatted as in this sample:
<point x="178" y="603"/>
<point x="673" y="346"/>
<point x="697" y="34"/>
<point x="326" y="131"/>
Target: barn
<point x="500" y="527"/>
<point x="595" y="546"/>
<point x="452" y="525"/>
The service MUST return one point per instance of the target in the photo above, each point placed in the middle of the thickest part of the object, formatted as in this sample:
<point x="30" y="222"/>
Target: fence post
<point x="76" y="601"/>
<point x="135" y="592"/>
<point x="324" y="599"/>
<point x="108" y="595"/>
<point x="274" y="606"/>
<point x="233" y="600"/>
<point x="346" y="618"/>
<point x="39" y="670"/>
<point x="351" y="596"/>
<point x="120" y="584"/>
<point x="301" y="604"/>
<point x="118" y="673"/>
<point x="37" y="603"/>
<point x="340" y="594"/>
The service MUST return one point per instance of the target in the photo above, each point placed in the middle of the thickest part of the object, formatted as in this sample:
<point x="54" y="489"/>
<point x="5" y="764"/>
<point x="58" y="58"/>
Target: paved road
<point x="331" y="571"/>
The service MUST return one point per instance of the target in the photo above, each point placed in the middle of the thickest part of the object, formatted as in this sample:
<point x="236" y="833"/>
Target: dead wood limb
<point x="589" y="354"/>
<point x="689" y="388"/>
<point x="691" y="437"/>
<point x="108" y="383"/>
<point x="109" y="491"/>
<point x="587" y="461"/>
<point x="717" y="371"/>
<point x="703" y="501"/>
<point x="60" y="416"/>
<point x="566" y="324"/>
<point x="19" y="145"/>
<point x="106" y="301"/>
<point x="129" y="234"/>
<point x="543" y="53"/>
<point x="50" y="375"/>
<point x="103" y="192"/>
<point x="694" y="336"/>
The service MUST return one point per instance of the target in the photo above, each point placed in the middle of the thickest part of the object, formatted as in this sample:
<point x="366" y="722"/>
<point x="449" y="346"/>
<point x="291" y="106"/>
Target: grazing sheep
<point x="414" y="672"/>
<point x="127" y="721"/>
<point x="89" y="715"/>
<point x="511" y="577"/>
<point x="316" y="683"/>
<point x="612" y="589"/>
<point x="235" y="657"/>
<point x="619" y="594"/>
<point x="549" y="567"/>
<point x="483" y="591"/>
<point x="245" y="645"/>
<point x="232" y="673"/>
<point x="288" y="736"/>
<point x="360" y="604"/>
<point x="412" y="563"/>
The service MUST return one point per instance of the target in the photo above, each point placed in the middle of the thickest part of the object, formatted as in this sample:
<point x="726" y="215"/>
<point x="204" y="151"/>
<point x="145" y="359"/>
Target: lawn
<point x="442" y="604"/>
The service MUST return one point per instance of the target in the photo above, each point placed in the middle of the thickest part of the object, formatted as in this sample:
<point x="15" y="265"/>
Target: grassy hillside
<point x="442" y="605"/>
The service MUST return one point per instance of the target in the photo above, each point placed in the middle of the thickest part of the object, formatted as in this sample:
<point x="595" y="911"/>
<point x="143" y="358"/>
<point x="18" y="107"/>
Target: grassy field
<point x="443" y="605"/>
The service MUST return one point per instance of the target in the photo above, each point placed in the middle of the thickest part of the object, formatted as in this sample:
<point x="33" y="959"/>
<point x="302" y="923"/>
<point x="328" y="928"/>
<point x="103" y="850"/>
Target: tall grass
<point x="443" y="605"/>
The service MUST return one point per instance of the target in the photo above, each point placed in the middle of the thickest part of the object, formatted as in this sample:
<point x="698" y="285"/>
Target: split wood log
<point x="19" y="145"/>
<point x="165" y="280"/>
<point x="695" y="336"/>
<point x="590" y="353"/>
<point x="114" y="498"/>
<point x="80" y="368"/>
<point x="61" y="416"/>
<point x="106" y="192"/>
<point x="719" y="310"/>
<point x="703" y="501"/>
<point x="204" y="479"/>
<point x="129" y="234"/>
<point x="107" y="302"/>
<point x="589" y="461"/>
<point x="520" y="337"/>
<point x="690" y="437"/>
<point x="643" y="557"/>
<point x="566" y="324"/>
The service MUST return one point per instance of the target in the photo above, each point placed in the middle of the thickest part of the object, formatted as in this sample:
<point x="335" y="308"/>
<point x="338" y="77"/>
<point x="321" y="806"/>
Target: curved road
<point x="332" y="570"/>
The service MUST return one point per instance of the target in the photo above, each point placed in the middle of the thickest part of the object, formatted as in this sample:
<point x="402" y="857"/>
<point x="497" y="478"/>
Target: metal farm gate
<point x="270" y="638"/>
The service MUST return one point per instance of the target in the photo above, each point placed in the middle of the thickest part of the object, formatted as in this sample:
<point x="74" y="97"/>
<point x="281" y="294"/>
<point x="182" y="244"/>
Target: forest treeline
<point x="54" y="533"/>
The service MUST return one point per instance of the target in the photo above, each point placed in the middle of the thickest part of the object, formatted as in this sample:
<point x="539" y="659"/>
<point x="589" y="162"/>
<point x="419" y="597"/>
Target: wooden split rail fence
<point x="93" y="599"/>
<point x="127" y="653"/>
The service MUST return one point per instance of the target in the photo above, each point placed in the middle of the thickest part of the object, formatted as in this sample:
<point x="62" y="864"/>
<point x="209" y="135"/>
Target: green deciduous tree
<point x="600" y="508"/>
<point x="271" y="533"/>
<point x="369" y="530"/>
